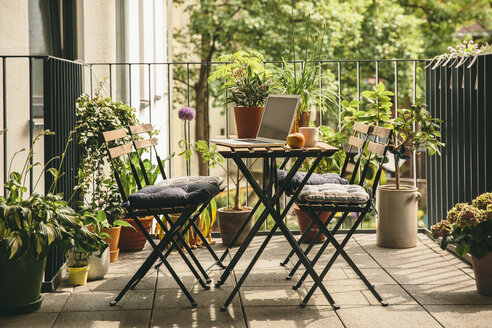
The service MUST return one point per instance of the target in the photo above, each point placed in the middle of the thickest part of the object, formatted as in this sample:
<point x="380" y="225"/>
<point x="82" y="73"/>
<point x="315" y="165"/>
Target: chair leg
<point x="152" y="257"/>
<point x="320" y="251"/>
<point x="299" y="242"/>
<point x="183" y="255"/>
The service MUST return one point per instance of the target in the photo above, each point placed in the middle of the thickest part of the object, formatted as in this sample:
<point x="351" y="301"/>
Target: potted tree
<point x="469" y="228"/>
<point x="415" y="129"/>
<point x="100" y="192"/>
<point x="30" y="225"/>
<point x="248" y="83"/>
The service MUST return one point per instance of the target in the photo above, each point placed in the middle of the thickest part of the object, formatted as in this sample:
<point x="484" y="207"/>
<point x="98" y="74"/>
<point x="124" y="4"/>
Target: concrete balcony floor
<point x="424" y="286"/>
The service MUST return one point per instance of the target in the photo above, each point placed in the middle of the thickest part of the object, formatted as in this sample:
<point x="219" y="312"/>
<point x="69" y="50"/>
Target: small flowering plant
<point x="468" y="227"/>
<point x="461" y="52"/>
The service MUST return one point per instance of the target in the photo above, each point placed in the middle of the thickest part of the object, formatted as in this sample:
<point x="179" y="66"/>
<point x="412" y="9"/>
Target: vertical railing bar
<point x="92" y="89"/>
<point x="188" y="168"/>
<point x="4" y="97"/>
<point x="130" y="83"/>
<point x="377" y="72"/>
<point x="414" y="98"/>
<point x="169" y="112"/>
<point x="111" y="81"/>
<point x="150" y="103"/>
<point x="396" y="89"/>
<point x="339" y="70"/>
<point x="208" y="111"/>
<point x="31" y="125"/>
<point x="358" y="83"/>
<point x="227" y="160"/>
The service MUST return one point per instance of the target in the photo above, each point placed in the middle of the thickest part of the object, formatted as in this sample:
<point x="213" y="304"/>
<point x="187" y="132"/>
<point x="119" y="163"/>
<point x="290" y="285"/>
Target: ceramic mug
<point x="310" y="136"/>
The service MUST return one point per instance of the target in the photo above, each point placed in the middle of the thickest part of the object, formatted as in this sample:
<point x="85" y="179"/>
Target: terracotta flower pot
<point x="483" y="274"/>
<point x="248" y="121"/>
<point x="134" y="240"/>
<point x="229" y="223"/>
<point x="304" y="220"/>
<point x="114" y="251"/>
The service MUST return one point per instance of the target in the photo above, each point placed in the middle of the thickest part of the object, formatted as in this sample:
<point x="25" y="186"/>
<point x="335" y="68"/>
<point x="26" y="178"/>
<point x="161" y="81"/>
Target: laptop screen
<point x="278" y="116"/>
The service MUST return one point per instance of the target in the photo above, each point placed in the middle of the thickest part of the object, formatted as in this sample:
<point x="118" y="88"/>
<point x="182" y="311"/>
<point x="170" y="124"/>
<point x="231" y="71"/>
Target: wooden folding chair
<point x="173" y="239"/>
<point x="374" y="143"/>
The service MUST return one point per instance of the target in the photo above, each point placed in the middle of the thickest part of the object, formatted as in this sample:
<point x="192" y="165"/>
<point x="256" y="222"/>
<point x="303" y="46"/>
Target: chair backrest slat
<point x="139" y="144"/>
<point x="114" y="134"/>
<point x="136" y="129"/>
<point x="377" y="148"/>
<point x="120" y="150"/>
<point x="357" y="142"/>
<point x="379" y="131"/>
<point x="361" y="127"/>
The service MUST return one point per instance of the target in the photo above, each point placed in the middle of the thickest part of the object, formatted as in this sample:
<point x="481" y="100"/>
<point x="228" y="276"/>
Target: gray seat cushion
<point x="191" y="179"/>
<point x="172" y="195"/>
<point x="314" y="179"/>
<point x="334" y="193"/>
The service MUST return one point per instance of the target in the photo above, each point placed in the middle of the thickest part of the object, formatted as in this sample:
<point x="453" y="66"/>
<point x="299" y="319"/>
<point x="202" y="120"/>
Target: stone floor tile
<point x="116" y="282"/>
<point x="401" y="316"/>
<point x="358" y="294"/>
<point x="103" y="319"/>
<point x="29" y="320"/>
<point x="210" y="317"/>
<point x="54" y="302"/>
<point x="269" y="296"/>
<point x="291" y="316"/>
<point x="174" y="298"/>
<point x="429" y="274"/>
<point x="462" y="316"/>
<point x="265" y="277"/>
<point x="99" y="301"/>
<point x="448" y="294"/>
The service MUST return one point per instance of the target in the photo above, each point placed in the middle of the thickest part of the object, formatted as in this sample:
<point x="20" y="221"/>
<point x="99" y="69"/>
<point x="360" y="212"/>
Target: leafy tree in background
<point x="355" y="29"/>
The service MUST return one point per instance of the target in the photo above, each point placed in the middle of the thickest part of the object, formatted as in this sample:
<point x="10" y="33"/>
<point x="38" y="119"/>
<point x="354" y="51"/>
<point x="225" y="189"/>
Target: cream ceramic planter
<point x="397" y="219"/>
<point x="98" y="265"/>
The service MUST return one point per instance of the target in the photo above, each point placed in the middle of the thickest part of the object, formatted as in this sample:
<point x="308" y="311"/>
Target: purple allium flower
<point x="186" y="113"/>
<point x="450" y="48"/>
<point x="470" y="42"/>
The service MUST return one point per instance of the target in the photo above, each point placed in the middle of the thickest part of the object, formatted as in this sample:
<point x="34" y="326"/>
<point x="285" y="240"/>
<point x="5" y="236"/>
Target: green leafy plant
<point x="100" y="114"/>
<point x="468" y="227"/>
<point x="414" y="128"/>
<point x="246" y="78"/>
<point x="35" y="223"/>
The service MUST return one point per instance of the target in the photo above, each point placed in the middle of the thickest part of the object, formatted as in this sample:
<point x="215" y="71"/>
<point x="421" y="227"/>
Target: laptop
<point x="275" y="125"/>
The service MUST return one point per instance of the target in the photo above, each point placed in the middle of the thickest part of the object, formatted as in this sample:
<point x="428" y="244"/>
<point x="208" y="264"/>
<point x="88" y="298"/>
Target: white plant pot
<point x="397" y="219"/>
<point x="98" y="265"/>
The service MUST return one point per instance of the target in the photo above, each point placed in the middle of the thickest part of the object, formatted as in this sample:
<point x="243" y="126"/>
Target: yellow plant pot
<point x="78" y="276"/>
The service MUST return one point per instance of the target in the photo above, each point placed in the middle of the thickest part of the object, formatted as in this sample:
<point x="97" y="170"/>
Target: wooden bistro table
<point x="269" y="196"/>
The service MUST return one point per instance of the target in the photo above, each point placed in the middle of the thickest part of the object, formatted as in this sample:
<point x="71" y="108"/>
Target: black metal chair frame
<point x="173" y="237"/>
<point x="272" y="207"/>
<point x="374" y="143"/>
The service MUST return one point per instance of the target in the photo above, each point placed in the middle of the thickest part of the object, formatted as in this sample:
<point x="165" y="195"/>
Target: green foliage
<point x="467" y="227"/>
<point x="246" y="78"/>
<point x="37" y="222"/>
<point x="100" y="114"/>
<point x="333" y="163"/>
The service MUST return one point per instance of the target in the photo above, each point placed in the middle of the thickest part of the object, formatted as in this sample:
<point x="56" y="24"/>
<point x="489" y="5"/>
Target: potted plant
<point x="30" y="225"/>
<point x="415" y="129"/>
<point x="100" y="192"/>
<point x="469" y="228"/>
<point x="248" y="83"/>
<point x="230" y="218"/>
<point x="307" y="80"/>
<point x="78" y="267"/>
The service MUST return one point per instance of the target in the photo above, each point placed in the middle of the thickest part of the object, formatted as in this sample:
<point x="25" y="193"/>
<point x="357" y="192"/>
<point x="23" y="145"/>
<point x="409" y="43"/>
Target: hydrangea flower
<point x="442" y="229"/>
<point x="455" y="211"/>
<point x="482" y="201"/>
<point x="186" y="114"/>
<point x="469" y="216"/>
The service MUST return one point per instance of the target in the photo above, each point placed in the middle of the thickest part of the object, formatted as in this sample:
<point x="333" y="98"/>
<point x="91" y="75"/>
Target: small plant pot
<point x="77" y="276"/>
<point x="304" y="220"/>
<point x="301" y="120"/>
<point x="229" y="223"/>
<point x="248" y="121"/>
<point x="99" y="265"/>
<point x="483" y="274"/>
<point x="113" y="255"/>
<point x="397" y="220"/>
<point x="134" y="239"/>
